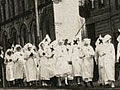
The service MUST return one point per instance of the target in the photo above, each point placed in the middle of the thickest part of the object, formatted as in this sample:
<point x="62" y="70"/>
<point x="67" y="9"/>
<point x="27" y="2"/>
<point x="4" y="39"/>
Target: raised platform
<point x="61" y="88"/>
<point x="72" y="87"/>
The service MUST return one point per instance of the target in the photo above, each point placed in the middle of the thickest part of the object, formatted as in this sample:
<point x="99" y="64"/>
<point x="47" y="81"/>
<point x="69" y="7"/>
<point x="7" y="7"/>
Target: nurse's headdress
<point x="17" y="48"/>
<point x="107" y="37"/>
<point x="87" y="41"/>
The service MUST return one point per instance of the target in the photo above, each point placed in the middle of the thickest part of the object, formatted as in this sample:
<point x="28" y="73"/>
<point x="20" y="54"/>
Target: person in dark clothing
<point x="1" y="68"/>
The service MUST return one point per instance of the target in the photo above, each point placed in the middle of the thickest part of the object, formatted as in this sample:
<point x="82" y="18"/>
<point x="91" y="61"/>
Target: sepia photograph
<point x="60" y="44"/>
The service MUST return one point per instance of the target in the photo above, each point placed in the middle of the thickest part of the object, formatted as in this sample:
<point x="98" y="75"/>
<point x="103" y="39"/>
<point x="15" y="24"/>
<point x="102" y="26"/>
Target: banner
<point x="66" y="16"/>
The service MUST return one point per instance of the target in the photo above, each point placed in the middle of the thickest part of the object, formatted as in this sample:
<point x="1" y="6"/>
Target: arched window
<point x="3" y="10"/>
<point x="23" y="5"/>
<point x="30" y="4"/>
<point x="117" y="4"/>
<point x="18" y="7"/>
<point x="33" y="33"/>
<point x="26" y="4"/>
<point x="14" y="36"/>
<point x="47" y="23"/>
<point x="10" y="7"/>
<point x="23" y="35"/>
<point x="101" y="3"/>
<point x="4" y="41"/>
<point x="13" y="8"/>
<point x="0" y="13"/>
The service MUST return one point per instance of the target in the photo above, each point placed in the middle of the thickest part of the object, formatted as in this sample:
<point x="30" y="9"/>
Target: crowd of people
<point x="63" y="59"/>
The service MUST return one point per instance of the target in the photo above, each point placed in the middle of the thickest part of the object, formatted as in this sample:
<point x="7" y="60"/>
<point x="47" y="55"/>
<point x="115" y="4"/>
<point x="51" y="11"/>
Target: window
<point x="10" y="8"/>
<point x="90" y="4"/>
<point x="23" y="34"/>
<point x="0" y="15"/>
<point x="23" y="5"/>
<point x="33" y="33"/>
<point x="95" y="4"/>
<point x="30" y="4"/>
<point x="4" y="41"/>
<point x="26" y="5"/>
<point x="13" y="35"/>
<point x="117" y="4"/>
<point x="101" y="3"/>
<point x="3" y="10"/>
<point x="13" y="7"/>
<point x="18" y="7"/>
<point x="81" y="3"/>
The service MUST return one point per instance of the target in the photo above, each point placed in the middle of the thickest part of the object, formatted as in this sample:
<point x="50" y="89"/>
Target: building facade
<point x="103" y="18"/>
<point x="18" y="22"/>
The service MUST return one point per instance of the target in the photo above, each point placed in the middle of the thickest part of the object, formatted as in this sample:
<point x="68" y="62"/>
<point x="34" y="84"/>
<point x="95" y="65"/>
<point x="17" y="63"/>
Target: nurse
<point x="88" y="63"/>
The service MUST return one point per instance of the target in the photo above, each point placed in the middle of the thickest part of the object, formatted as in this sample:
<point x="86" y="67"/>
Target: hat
<point x="118" y="29"/>
<point x="1" y="47"/>
<point x="16" y="47"/>
<point x="54" y="43"/>
<point x="47" y="39"/>
<point x="118" y="38"/>
<point x="87" y="41"/>
<point x="98" y="40"/>
<point x="8" y="52"/>
<point x="34" y="48"/>
<point x="12" y="46"/>
<point x="60" y="42"/>
<point x="28" y="45"/>
<point x="40" y="44"/>
<point x="107" y="37"/>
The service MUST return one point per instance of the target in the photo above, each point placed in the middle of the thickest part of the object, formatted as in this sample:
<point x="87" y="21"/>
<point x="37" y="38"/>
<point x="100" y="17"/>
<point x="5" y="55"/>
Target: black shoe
<point x="79" y="85"/>
<point x="66" y="84"/>
<point x="107" y="85"/>
<point x="101" y="84"/>
<point x="91" y="84"/>
<point x="85" y="84"/>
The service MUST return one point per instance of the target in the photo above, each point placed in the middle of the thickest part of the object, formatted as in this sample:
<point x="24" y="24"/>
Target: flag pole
<point x="37" y="20"/>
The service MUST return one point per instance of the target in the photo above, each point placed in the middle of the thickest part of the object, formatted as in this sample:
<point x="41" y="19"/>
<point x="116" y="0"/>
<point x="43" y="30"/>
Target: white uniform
<point x="19" y="63"/>
<point x="9" y="66"/>
<point x="77" y="61"/>
<point x="118" y="52"/>
<point x="36" y="60"/>
<point x="88" y="63"/>
<point x="30" y="66"/>
<point x="46" y="71"/>
<point x="69" y="56"/>
<point x="109" y="62"/>
<point x="51" y="61"/>
<point x="99" y="57"/>
<point x="62" y="58"/>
